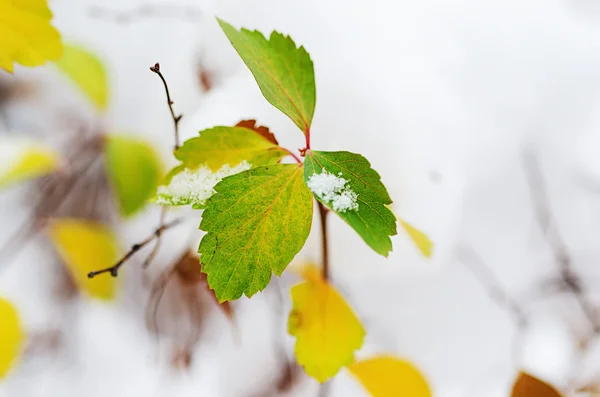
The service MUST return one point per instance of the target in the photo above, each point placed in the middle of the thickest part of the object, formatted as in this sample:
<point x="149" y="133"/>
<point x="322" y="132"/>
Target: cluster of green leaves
<point x="258" y="219"/>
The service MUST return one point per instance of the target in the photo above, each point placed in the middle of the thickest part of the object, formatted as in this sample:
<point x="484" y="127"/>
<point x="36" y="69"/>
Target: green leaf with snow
<point x="256" y="222"/>
<point x="219" y="146"/>
<point x="134" y="169"/>
<point x="346" y="184"/>
<point x="185" y="186"/>
<point x="87" y="72"/>
<point x="284" y="73"/>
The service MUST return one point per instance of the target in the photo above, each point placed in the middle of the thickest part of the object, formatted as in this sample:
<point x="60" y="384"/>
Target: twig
<point x="188" y="13"/>
<point x="176" y="119"/>
<point x="152" y="255"/>
<point x="114" y="270"/>
<point x="323" y="212"/>
<point x="477" y="267"/>
<point x="541" y="206"/>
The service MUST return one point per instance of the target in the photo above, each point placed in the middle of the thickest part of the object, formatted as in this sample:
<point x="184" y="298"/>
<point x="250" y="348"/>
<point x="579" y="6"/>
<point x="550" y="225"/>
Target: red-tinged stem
<point x="307" y="135"/>
<point x="293" y="155"/>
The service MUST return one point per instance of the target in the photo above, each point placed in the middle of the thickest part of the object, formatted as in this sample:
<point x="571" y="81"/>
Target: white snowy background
<point x="441" y="96"/>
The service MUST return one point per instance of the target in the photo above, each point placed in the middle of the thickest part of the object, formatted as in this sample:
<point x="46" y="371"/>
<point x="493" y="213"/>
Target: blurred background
<point x="483" y="119"/>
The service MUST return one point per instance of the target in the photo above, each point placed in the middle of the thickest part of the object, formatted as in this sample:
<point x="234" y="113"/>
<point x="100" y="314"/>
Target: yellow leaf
<point x="87" y="71"/>
<point x="529" y="386"/>
<point x="84" y="247"/>
<point x="386" y="376"/>
<point x="26" y="35"/>
<point x="11" y="336"/>
<point x="419" y="238"/>
<point x="22" y="160"/>
<point x="327" y="331"/>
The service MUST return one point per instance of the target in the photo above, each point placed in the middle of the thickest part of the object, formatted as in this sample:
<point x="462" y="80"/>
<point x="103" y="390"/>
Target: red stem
<point x="293" y="155"/>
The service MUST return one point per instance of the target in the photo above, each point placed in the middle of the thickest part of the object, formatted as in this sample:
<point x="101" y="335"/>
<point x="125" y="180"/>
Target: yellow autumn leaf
<point x="423" y="242"/>
<point x="11" y="336"/>
<point x="26" y="35"/>
<point x="86" y="246"/>
<point x="21" y="159"/>
<point x="327" y="331"/>
<point x="387" y="376"/>
<point x="87" y="71"/>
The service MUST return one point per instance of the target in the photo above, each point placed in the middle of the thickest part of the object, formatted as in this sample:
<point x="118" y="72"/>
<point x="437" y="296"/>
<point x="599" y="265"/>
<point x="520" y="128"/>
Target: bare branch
<point x="176" y="119"/>
<point x="541" y="205"/>
<point x="114" y="270"/>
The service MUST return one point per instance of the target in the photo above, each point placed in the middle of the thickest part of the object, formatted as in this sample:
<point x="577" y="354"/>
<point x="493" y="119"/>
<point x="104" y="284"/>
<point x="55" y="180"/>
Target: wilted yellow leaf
<point x="134" y="169"/>
<point x="21" y="159"/>
<point x="418" y="237"/>
<point x="529" y="386"/>
<point x="387" y="376"/>
<point x="11" y="336"/>
<point x="26" y="35"/>
<point x="327" y="331"/>
<point x="84" y="247"/>
<point x="87" y="72"/>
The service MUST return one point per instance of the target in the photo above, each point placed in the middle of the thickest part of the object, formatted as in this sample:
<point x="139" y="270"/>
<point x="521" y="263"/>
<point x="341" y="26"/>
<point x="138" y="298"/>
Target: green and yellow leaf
<point x="283" y="72"/>
<point x="86" y="246"/>
<point x="346" y="184"/>
<point x="11" y="337"/>
<point x="327" y="331"/>
<point x="21" y="160"/>
<point x="134" y="169"/>
<point x="26" y="35"/>
<point x="87" y="72"/>
<point x="256" y="222"/>
<point x="387" y="376"/>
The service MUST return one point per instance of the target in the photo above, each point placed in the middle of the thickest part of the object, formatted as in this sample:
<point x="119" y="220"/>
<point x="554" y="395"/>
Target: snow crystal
<point x="333" y="190"/>
<point x="195" y="186"/>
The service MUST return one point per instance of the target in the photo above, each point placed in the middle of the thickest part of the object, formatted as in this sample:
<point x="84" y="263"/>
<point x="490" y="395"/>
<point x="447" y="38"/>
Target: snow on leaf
<point x="86" y="246"/>
<point x="387" y="376"/>
<point x="185" y="186"/>
<point x="22" y="159"/>
<point x="219" y="146"/>
<point x="256" y="222"/>
<point x="284" y="73"/>
<point x="327" y="331"/>
<point x="134" y="169"/>
<point x="26" y="35"/>
<point x="333" y="190"/>
<point x="529" y="386"/>
<point x="363" y="206"/>
<point x="87" y="72"/>
<point x="11" y="336"/>
<point x="423" y="242"/>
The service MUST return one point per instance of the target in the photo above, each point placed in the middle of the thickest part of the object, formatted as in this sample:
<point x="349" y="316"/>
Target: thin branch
<point x="541" y="206"/>
<point x="114" y="270"/>
<point x="323" y="212"/>
<point x="176" y="119"/>
<point x="482" y="273"/>
<point x="152" y="255"/>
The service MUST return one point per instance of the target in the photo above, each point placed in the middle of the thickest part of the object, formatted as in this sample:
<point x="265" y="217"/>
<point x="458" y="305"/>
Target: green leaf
<point x="87" y="72"/>
<point x="134" y="169"/>
<point x="218" y="146"/>
<point x="346" y="183"/>
<point x="283" y="72"/>
<point x="256" y="223"/>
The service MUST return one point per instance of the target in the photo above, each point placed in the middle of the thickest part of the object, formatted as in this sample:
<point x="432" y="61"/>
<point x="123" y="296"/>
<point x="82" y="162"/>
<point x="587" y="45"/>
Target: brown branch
<point x="114" y="270"/>
<point x="541" y="205"/>
<point x="152" y="255"/>
<point x="323" y="212"/>
<point x="176" y="119"/>
<point x="482" y="273"/>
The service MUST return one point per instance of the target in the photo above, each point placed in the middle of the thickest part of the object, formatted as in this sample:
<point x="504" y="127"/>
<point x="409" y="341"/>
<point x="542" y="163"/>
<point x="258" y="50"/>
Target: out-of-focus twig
<point x="114" y="269"/>
<point x="541" y="205"/>
<point x="146" y="11"/>
<point x="482" y="273"/>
